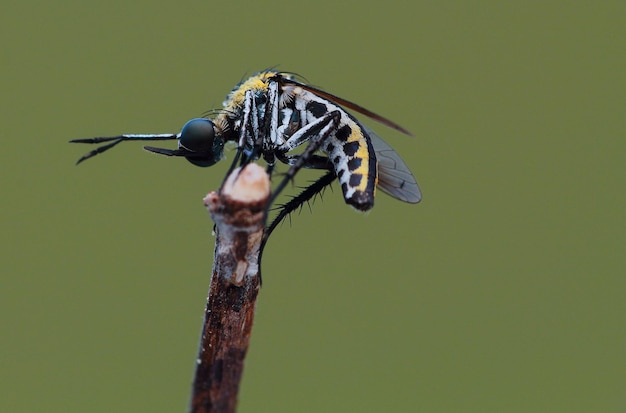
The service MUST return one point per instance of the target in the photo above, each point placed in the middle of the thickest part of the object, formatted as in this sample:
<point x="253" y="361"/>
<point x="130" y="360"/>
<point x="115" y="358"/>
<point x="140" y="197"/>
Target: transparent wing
<point x="394" y="177"/>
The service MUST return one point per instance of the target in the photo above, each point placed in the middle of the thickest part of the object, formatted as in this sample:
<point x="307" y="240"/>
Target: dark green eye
<point x="197" y="135"/>
<point x="198" y="141"/>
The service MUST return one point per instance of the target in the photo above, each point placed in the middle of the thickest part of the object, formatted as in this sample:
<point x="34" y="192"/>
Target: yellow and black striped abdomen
<point x="351" y="153"/>
<point x="348" y="148"/>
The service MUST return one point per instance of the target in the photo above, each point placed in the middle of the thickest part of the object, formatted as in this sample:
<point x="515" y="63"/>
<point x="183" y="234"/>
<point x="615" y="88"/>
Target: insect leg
<point x="249" y="127"/>
<point x="270" y="123"/>
<point x="296" y="202"/>
<point x="316" y="133"/>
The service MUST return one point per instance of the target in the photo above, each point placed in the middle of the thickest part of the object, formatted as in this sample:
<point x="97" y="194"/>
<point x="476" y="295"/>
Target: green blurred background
<point x="503" y="291"/>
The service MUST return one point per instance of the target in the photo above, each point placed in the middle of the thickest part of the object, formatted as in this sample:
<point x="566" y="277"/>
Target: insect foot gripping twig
<point x="239" y="215"/>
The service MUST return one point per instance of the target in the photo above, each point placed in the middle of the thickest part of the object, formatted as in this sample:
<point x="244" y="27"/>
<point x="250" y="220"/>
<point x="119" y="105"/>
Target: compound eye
<point x="198" y="143"/>
<point x="197" y="136"/>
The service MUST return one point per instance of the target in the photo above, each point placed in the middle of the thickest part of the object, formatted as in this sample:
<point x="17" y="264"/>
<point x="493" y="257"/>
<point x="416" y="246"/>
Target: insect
<point x="270" y="115"/>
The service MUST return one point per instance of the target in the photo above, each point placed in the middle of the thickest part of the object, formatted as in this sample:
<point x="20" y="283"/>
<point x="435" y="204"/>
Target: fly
<point x="272" y="113"/>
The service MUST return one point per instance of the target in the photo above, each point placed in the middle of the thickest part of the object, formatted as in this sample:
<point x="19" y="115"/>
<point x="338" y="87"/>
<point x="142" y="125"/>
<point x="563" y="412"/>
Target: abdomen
<point x="354" y="161"/>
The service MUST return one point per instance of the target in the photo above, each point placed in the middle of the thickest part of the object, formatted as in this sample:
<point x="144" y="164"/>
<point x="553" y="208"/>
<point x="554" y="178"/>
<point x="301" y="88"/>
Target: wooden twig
<point x="239" y="215"/>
